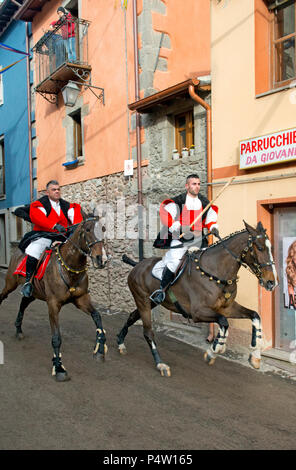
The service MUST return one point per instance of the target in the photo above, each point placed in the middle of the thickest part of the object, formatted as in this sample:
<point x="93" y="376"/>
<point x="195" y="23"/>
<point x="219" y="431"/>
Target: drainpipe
<point x="207" y="107"/>
<point x="29" y="113"/>
<point x="138" y="125"/>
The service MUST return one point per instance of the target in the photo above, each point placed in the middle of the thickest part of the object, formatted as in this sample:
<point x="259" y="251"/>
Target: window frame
<point x="2" y="164"/>
<point x="77" y="133"/>
<point x="1" y="88"/>
<point x="189" y="129"/>
<point x="275" y="68"/>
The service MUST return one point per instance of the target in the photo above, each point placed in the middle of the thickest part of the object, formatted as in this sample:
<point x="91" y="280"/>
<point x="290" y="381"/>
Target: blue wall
<point x="14" y="118"/>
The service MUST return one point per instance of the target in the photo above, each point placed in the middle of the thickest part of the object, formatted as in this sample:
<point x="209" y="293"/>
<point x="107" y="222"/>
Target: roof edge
<point x="145" y="104"/>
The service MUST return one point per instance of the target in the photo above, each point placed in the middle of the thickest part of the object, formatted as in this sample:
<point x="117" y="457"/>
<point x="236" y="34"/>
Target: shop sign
<point x="269" y="149"/>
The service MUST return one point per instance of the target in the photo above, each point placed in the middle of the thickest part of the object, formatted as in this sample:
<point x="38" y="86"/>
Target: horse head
<point x="92" y="239"/>
<point x="258" y="256"/>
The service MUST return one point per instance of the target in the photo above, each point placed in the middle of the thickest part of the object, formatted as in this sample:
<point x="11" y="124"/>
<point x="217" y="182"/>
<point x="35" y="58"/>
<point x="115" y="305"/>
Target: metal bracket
<point x="50" y="97"/>
<point x="84" y="75"/>
<point x="100" y="97"/>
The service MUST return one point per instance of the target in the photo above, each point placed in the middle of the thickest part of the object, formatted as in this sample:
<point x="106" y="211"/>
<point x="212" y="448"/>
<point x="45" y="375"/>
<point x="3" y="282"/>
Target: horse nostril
<point x="99" y="260"/>
<point x="270" y="285"/>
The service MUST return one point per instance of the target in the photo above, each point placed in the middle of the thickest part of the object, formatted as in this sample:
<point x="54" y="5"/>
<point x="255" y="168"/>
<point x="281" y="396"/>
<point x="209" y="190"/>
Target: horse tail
<point x="128" y="260"/>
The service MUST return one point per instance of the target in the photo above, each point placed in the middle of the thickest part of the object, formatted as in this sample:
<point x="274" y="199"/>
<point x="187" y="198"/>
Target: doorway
<point x="284" y="229"/>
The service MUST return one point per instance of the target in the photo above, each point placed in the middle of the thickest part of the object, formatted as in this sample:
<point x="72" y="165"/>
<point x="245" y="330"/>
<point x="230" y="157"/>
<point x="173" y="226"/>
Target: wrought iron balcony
<point x="61" y="55"/>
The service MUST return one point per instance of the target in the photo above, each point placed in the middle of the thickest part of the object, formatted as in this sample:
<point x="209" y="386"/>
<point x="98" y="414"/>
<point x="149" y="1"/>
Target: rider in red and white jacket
<point x="177" y="215"/>
<point x="51" y="216"/>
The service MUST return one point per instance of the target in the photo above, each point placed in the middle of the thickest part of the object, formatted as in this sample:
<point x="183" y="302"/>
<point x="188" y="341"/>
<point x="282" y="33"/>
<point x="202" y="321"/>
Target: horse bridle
<point x="83" y="252"/>
<point x="257" y="270"/>
<point x="82" y="235"/>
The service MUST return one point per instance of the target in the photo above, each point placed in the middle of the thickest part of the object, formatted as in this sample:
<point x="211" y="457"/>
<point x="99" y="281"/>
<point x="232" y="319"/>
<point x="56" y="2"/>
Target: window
<point x="77" y="134"/>
<point x="283" y="43"/>
<point x="184" y="130"/>
<point x="1" y="88"/>
<point x="2" y="168"/>
<point x="19" y="228"/>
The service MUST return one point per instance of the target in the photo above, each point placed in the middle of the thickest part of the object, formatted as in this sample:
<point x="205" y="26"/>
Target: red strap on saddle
<point x="42" y="268"/>
<point x="21" y="268"/>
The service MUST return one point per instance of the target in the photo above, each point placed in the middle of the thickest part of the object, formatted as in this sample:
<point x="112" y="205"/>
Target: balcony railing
<point x="63" y="47"/>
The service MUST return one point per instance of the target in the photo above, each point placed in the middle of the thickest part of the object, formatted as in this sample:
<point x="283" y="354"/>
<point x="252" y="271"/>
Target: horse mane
<point x="231" y="235"/>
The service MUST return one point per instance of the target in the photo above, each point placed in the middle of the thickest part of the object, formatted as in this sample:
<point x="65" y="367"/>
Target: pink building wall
<point x="106" y="127"/>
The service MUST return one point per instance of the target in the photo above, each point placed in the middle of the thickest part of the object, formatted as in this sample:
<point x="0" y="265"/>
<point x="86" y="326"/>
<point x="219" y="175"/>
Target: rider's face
<point x="193" y="186"/>
<point x="54" y="192"/>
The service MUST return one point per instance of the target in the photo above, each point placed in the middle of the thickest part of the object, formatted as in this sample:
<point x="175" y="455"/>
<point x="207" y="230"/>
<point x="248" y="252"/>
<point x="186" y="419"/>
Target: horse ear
<point x="260" y="227"/>
<point x="249" y="228"/>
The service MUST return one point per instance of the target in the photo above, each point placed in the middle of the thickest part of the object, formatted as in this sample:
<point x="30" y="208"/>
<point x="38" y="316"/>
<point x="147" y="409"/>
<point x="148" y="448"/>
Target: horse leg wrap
<point x="155" y="353"/>
<point x="57" y="365"/>
<point x="121" y="335"/>
<point x="19" y="321"/>
<point x="100" y="346"/>
<point x="219" y="344"/>
<point x="256" y="333"/>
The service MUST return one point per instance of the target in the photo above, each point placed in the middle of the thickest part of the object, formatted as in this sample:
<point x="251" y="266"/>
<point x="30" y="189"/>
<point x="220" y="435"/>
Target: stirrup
<point x="159" y="296"/>
<point x="27" y="289"/>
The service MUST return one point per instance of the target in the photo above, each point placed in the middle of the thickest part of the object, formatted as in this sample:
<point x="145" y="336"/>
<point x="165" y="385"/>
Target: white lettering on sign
<point x="268" y="149"/>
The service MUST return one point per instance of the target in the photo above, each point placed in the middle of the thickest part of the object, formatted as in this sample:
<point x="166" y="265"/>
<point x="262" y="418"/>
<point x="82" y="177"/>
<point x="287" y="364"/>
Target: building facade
<point x="253" y="100"/>
<point x="15" y="130"/>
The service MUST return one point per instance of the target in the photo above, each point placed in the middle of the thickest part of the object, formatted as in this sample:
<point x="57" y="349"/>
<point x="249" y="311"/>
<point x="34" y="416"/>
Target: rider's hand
<point x="60" y="228"/>
<point x="175" y="230"/>
<point x="215" y="232"/>
<point x="188" y="237"/>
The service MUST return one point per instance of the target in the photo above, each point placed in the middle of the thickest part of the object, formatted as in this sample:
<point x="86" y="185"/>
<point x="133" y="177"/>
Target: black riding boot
<point x="158" y="295"/>
<point x="30" y="269"/>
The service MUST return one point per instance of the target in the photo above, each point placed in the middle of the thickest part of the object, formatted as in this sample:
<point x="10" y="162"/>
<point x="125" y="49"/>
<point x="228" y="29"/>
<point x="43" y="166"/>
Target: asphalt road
<point x="124" y="403"/>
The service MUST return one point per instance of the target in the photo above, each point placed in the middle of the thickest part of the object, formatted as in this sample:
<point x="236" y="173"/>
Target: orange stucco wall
<point x="263" y="25"/>
<point x="106" y="127"/>
<point x="188" y="25"/>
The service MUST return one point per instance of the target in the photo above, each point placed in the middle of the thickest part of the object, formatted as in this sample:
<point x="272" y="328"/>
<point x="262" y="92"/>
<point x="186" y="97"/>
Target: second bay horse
<point x="206" y="291"/>
<point x="65" y="281"/>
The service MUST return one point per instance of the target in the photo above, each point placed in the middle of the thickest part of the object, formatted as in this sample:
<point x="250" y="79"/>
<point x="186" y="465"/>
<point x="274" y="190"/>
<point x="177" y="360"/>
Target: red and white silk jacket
<point x="62" y="213"/>
<point x="173" y="216"/>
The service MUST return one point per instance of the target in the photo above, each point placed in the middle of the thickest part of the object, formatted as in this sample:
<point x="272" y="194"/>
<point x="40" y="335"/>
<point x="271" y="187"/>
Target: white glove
<point x="175" y="226"/>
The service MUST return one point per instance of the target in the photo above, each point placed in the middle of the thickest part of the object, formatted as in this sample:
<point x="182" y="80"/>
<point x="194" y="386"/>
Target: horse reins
<point x="62" y="262"/>
<point x="82" y="234"/>
<point x="249" y="248"/>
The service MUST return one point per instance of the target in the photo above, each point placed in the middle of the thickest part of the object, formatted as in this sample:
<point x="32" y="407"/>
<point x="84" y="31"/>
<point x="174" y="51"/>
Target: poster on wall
<point x="289" y="272"/>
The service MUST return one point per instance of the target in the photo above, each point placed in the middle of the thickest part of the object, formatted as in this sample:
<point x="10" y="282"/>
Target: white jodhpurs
<point x="37" y="247"/>
<point x="171" y="259"/>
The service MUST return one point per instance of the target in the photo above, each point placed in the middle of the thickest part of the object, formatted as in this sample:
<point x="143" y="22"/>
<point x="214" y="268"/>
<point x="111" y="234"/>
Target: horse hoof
<point x="210" y="360"/>
<point x="164" y="370"/>
<point x="20" y="336"/>
<point x="99" y="357"/>
<point x="254" y="361"/>
<point x="62" y="377"/>
<point x="122" y="349"/>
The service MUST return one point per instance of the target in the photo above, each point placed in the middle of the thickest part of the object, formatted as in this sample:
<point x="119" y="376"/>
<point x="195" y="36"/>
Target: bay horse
<point x="65" y="281"/>
<point x="206" y="290"/>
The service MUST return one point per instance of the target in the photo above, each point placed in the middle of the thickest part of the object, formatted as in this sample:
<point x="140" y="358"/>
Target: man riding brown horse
<point x="182" y="211"/>
<point x="51" y="216"/>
